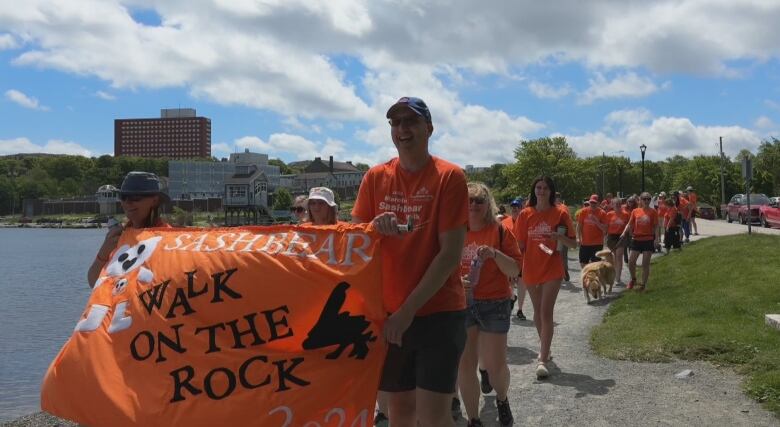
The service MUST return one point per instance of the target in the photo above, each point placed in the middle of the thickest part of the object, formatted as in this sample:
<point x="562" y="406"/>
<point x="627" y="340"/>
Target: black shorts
<point x="613" y="240"/>
<point x="588" y="253"/>
<point x="642" y="245"/>
<point x="429" y="356"/>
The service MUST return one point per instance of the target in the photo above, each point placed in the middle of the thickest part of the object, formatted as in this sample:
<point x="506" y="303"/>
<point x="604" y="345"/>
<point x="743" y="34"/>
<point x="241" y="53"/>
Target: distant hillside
<point x="301" y="165"/>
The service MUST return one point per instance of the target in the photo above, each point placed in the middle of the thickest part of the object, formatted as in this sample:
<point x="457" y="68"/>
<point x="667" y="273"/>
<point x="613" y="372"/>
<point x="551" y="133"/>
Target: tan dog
<point x="597" y="275"/>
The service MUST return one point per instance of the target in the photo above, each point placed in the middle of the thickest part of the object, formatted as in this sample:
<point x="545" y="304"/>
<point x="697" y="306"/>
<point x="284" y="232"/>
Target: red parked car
<point x="736" y="209"/>
<point x="770" y="214"/>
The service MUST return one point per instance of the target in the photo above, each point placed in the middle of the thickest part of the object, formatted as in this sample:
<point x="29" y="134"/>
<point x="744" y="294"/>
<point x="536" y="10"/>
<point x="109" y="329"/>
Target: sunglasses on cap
<point x="405" y="121"/>
<point x="134" y="197"/>
<point x="477" y="200"/>
<point x="647" y="198"/>
<point x="298" y="209"/>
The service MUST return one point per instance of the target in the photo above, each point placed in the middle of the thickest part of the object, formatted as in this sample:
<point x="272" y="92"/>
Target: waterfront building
<point x="177" y="134"/>
<point x="189" y="179"/>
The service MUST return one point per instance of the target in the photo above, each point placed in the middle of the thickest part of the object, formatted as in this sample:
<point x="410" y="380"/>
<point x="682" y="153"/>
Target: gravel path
<point x="587" y="390"/>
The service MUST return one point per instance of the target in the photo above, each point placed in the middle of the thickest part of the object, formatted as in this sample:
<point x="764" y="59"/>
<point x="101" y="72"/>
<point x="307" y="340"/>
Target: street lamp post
<point x="643" y="147"/>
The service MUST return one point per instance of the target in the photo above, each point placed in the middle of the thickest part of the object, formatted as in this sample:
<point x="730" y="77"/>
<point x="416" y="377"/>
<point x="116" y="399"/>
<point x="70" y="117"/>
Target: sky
<point x="297" y="79"/>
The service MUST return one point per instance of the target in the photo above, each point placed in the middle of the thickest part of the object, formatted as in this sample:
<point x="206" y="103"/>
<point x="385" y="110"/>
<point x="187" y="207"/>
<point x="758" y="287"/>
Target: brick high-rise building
<point x="177" y="134"/>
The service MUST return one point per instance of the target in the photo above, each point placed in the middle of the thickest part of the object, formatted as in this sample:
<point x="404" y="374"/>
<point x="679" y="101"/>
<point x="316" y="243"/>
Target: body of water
<point x="43" y="291"/>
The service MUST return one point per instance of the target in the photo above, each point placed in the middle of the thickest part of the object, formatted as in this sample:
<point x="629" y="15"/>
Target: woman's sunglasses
<point x="297" y="209"/>
<point x="477" y="200"/>
<point x="134" y="197"/>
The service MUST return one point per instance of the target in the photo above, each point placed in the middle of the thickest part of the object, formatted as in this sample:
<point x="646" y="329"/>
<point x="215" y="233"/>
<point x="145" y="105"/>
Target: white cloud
<point x="628" y="85"/>
<point x="54" y="146"/>
<point x="764" y="122"/>
<point x="105" y="95"/>
<point x="284" y="57"/>
<point x="664" y="137"/>
<point x="629" y="117"/>
<point x="221" y="149"/>
<point x="7" y="41"/>
<point x="290" y="145"/>
<point x="544" y="91"/>
<point x="25" y="101"/>
<point x="254" y="53"/>
<point x="482" y="137"/>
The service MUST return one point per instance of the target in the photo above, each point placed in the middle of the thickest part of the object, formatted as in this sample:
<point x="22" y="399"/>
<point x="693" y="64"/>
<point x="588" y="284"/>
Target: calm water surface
<point x="43" y="291"/>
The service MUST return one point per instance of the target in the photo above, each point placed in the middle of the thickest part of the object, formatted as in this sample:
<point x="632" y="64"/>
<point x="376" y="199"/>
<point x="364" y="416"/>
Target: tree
<point x="363" y="167"/>
<point x="767" y="166"/>
<point x="7" y="195"/>
<point x="542" y="156"/>
<point x="282" y="199"/>
<point x="283" y="168"/>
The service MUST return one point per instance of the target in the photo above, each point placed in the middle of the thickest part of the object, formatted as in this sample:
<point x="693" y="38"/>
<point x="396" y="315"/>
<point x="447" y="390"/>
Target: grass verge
<point x="706" y="303"/>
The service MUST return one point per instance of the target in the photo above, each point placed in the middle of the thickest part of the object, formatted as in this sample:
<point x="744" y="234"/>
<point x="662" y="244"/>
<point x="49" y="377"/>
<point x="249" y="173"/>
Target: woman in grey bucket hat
<point x="141" y="196"/>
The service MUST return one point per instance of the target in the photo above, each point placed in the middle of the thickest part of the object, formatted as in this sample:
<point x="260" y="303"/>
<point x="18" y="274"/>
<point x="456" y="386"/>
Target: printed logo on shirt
<point x="469" y="252"/>
<point x="423" y="194"/>
<point x="539" y="231"/>
<point x="644" y="219"/>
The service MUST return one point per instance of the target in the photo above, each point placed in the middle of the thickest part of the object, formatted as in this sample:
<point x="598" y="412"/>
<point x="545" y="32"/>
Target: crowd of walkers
<point x="451" y="284"/>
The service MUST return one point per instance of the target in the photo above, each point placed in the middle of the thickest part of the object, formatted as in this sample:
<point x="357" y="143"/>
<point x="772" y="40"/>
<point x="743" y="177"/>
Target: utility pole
<point x="722" y="179"/>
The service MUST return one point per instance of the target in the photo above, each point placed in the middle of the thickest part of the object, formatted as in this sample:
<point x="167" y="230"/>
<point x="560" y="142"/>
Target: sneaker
<point x="484" y="382"/>
<point x="381" y="420"/>
<point x="474" y="422"/>
<point x="695" y="234"/>
<point x="455" y="408"/>
<point x="687" y="240"/>
<point x="541" y="371"/>
<point x="520" y="315"/>
<point x="504" y="412"/>
<point x="631" y="284"/>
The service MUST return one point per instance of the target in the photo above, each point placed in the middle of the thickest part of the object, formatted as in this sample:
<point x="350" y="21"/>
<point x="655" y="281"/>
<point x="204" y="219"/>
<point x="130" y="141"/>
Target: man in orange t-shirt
<point x="422" y="287"/>
<point x="591" y="228"/>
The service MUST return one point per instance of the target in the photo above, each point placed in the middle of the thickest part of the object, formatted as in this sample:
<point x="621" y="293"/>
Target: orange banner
<point x="266" y="326"/>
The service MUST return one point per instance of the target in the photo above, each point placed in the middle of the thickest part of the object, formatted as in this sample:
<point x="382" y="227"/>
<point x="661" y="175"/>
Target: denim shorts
<point x="490" y="315"/>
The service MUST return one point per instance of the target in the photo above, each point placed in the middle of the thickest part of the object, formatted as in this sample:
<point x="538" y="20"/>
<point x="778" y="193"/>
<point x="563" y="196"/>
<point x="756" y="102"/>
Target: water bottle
<point x="473" y="278"/>
<point x="561" y="231"/>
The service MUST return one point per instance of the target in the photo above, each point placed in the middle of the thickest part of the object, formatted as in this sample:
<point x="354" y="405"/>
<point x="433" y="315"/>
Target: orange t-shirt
<point x="662" y="208"/>
<point x="509" y="225"/>
<point x="669" y="217"/>
<point x="694" y="199"/>
<point x="532" y="228"/>
<point x="643" y="223"/>
<point x="617" y="221"/>
<point x="684" y="208"/>
<point x="590" y="232"/>
<point x="437" y="197"/>
<point x="493" y="284"/>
